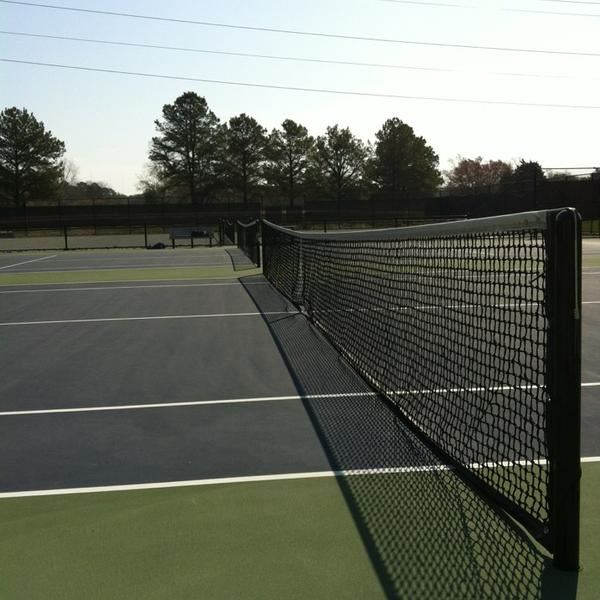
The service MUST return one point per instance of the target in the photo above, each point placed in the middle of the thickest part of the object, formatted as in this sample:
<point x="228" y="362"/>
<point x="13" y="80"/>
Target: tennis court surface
<point x="171" y="425"/>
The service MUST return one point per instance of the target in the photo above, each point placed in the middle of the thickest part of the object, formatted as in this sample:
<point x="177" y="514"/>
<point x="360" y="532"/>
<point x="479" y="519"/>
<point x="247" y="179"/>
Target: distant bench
<point x="191" y="234"/>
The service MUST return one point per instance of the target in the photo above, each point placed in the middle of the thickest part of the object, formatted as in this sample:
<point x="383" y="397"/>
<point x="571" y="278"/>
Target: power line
<point x="305" y="33"/>
<point x="489" y="8"/>
<point x="442" y="4"/>
<point x="286" y="58"/>
<point x="571" y="1"/>
<point x="304" y="89"/>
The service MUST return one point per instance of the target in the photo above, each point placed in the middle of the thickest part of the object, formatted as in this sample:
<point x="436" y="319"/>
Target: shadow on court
<point x="428" y="534"/>
<point x="239" y="261"/>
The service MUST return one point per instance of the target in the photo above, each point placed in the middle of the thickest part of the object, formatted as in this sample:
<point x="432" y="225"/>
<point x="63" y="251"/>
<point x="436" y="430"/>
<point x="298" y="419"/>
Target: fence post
<point x="66" y="237"/>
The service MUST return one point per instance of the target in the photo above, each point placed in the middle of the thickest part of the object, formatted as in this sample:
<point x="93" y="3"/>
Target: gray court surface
<point x="127" y="383"/>
<point x="100" y="240"/>
<point x="109" y="260"/>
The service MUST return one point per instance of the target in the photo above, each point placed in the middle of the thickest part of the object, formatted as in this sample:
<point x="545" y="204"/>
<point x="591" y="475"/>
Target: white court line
<point x="197" y="482"/>
<point x="262" y="478"/>
<point x="365" y="394"/>
<point x="160" y="318"/>
<point x="123" y="267"/>
<point x="130" y="287"/>
<point x="434" y="307"/>
<point x="146" y="257"/>
<point x="215" y="278"/>
<point x="184" y="404"/>
<point x="26" y="262"/>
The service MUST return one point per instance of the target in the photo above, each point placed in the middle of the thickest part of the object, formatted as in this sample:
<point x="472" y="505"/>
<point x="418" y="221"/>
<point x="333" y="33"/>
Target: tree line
<point x="195" y="157"/>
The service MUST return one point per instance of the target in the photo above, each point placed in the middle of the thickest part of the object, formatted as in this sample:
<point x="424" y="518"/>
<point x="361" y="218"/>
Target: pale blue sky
<point x="107" y="120"/>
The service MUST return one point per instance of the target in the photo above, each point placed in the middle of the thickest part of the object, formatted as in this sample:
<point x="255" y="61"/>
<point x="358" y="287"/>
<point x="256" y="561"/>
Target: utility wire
<point x="305" y="33"/>
<point x="304" y="89"/>
<point x="492" y="8"/>
<point x="571" y="1"/>
<point x="288" y="58"/>
<point x="442" y="4"/>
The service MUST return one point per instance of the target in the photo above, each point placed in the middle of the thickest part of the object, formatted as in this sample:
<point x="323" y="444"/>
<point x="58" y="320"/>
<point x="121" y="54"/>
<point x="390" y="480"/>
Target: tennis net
<point x="248" y="240"/>
<point x="470" y="331"/>
<point x="226" y="232"/>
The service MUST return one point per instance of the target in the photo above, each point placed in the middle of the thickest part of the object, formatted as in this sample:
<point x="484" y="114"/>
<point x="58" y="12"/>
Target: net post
<point x="66" y="237"/>
<point x="257" y="243"/>
<point x="565" y="386"/>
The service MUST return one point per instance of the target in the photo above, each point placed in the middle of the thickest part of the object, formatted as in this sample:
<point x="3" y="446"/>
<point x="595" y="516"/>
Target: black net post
<point x="564" y="383"/>
<point x="240" y="236"/>
<point x="145" y="235"/>
<point x="66" y="237"/>
<point x="248" y="240"/>
<point x="258" y="253"/>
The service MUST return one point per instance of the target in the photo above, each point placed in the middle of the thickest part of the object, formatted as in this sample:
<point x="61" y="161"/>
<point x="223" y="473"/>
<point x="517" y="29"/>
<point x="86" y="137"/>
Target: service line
<point x="332" y="396"/>
<point x="130" y="287"/>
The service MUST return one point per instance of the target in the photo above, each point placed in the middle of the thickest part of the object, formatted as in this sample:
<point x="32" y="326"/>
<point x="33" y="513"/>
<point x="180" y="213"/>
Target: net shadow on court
<point x="239" y="260"/>
<point x="428" y="534"/>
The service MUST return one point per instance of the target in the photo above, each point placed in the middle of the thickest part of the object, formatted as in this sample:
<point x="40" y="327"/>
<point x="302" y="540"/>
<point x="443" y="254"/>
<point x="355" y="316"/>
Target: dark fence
<point x="582" y="195"/>
<point x="164" y="216"/>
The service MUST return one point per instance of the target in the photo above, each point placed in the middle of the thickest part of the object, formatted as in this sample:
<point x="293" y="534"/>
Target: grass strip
<point x="284" y="539"/>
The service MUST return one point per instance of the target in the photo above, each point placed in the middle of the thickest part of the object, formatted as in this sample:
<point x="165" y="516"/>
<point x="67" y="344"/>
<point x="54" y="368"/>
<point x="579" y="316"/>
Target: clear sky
<point x="107" y="120"/>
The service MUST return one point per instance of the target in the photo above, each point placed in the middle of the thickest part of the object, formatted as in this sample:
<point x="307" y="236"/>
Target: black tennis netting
<point x="455" y="325"/>
<point x="226" y="232"/>
<point x="248" y="240"/>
